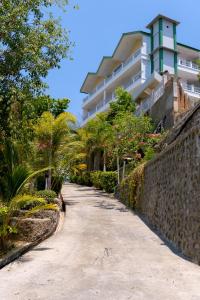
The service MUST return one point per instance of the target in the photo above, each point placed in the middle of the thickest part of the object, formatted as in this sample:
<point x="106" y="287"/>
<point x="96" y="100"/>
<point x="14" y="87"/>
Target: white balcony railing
<point x="188" y="64"/>
<point x="191" y="88"/>
<point x="130" y="84"/>
<point x="118" y="70"/>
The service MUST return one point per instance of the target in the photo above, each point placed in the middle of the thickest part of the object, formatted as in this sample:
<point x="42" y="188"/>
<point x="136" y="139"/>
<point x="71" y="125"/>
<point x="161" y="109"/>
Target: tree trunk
<point x="124" y="169"/>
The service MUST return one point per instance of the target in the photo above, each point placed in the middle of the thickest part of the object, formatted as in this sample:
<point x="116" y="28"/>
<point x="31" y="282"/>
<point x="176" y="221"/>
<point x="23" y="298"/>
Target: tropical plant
<point x="46" y="194"/>
<point x="51" y="135"/>
<point x="15" y="173"/>
<point x="7" y="212"/>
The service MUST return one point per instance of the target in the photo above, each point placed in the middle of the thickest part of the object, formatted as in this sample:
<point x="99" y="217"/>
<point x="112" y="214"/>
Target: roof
<point x="113" y="55"/>
<point x="162" y="17"/>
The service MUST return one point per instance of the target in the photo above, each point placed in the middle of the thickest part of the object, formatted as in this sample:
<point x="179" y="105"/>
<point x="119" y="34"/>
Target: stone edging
<point x="16" y="253"/>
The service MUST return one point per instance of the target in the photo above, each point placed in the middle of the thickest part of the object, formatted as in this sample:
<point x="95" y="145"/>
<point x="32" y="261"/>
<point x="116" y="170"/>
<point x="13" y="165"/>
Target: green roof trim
<point x="110" y="57"/>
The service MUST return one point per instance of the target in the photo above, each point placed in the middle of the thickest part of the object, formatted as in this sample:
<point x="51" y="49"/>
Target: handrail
<point x="189" y="64"/>
<point x="104" y="102"/>
<point x="114" y="73"/>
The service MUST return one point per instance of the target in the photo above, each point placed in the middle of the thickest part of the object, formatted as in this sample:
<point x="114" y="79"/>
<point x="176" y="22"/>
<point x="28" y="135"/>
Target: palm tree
<point x="51" y="136"/>
<point x="100" y="137"/>
<point x="15" y="173"/>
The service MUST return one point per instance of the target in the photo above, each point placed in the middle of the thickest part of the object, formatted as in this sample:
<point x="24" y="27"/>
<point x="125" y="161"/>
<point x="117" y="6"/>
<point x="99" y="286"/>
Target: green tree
<point x="123" y="103"/>
<point x="31" y="44"/>
<point x="51" y="136"/>
<point x="100" y="137"/>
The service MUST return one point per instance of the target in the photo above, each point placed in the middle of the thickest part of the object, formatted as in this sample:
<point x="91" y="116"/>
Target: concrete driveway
<point x="102" y="252"/>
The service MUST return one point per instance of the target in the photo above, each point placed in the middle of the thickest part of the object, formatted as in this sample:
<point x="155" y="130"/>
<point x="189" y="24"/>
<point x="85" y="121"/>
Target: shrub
<point x="28" y="202"/>
<point x="108" y="181"/>
<point x="46" y="194"/>
<point x="104" y="180"/>
<point x="96" y="179"/>
<point x="130" y="189"/>
<point x="83" y="179"/>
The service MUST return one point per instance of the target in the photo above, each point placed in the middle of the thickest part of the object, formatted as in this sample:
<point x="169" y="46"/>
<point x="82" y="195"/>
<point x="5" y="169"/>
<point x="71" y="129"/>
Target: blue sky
<point x="96" y="29"/>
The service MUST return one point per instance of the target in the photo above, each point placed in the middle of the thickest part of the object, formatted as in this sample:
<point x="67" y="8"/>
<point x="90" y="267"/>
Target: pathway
<point x="102" y="252"/>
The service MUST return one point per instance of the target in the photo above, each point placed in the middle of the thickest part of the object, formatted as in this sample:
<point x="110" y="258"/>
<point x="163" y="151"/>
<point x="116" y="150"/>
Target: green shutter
<point x="160" y="32"/>
<point x="152" y="48"/>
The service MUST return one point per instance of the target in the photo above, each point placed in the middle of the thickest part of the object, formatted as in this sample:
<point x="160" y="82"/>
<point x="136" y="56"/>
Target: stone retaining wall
<point x="171" y="193"/>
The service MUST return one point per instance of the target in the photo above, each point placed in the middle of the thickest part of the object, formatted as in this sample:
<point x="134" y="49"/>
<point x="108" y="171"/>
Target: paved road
<point x="102" y="252"/>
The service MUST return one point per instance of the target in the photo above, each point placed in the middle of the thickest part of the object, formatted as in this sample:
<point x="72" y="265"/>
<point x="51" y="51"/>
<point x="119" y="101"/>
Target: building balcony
<point x="119" y="71"/>
<point x="103" y="104"/>
<point x="188" y="64"/>
<point x="191" y="89"/>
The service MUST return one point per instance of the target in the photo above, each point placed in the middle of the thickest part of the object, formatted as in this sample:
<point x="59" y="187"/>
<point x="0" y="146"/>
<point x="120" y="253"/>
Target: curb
<point x="16" y="253"/>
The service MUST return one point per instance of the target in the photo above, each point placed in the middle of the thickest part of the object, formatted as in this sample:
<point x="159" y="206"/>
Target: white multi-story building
<point x="138" y="64"/>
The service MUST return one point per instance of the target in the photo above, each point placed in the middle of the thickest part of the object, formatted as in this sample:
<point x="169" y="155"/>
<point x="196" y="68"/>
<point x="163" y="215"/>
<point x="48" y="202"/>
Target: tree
<point x="44" y="103"/>
<point x="100" y="136"/>
<point x="31" y="45"/>
<point x="51" y="135"/>
<point x="123" y="103"/>
<point x="15" y="172"/>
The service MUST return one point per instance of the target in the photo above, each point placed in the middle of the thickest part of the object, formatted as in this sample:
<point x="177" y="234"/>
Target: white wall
<point x="168" y="61"/>
<point x="146" y="45"/>
<point x="168" y="36"/>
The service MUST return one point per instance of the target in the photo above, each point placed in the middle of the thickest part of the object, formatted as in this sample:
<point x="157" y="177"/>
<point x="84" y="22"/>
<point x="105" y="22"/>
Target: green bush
<point x="83" y="179"/>
<point x="96" y="179"/>
<point x="108" y="181"/>
<point x="130" y="189"/>
<point x="46" y="194"/>
<point x="104" y="180"/>
<point x="101" y="180"/>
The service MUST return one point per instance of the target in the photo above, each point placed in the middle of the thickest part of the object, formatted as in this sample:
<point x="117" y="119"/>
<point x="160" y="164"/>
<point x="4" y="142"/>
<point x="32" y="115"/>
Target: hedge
<point x="130" y="189"/>
<point x="101" y="180"/>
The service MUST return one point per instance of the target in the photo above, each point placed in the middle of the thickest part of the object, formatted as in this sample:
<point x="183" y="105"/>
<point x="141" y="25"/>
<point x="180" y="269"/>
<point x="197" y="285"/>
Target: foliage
<point x="130" y="189"/>
<point x="96" y="179"/>
<point x="7" y="212"/>
<point x="57" y="182"/>
<point x="15" y="174"/>
<point x="46" y="194"/>
<point x="104" y="180"/>
<point x="44" y="103"/>
<point x="31" y="44"/>
<point x="83" y="179"/>
<point x="108" y="181"/>
<point x="123" y="104"/>
<point x="51" y="135"/>
<point x="117" y="135"/>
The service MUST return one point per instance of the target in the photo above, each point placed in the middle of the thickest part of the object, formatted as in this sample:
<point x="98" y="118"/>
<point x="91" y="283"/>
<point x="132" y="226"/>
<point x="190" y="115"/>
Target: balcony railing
<point x="118" y="70"/>
<point x="188" y="64"/>
<point x="191" y="88"/>
<point x="111" y="97"/>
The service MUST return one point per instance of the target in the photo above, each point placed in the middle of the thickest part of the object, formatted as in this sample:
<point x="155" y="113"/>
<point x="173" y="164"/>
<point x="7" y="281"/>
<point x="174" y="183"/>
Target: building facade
<point x="139" y="64"/>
